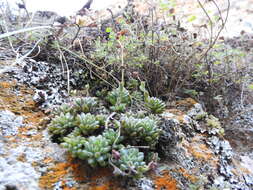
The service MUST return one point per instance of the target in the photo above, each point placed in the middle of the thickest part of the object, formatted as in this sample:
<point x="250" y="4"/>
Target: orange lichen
<point x="20" y="103"/>
<point x="165" y="182"/>
<point x="187" y="103"/>
<point x="78" y="172"/>
<point x="177" y="114"/>
<point x="47" y="160"/>
<point x="4" y="84"/>
<point x="200" y="151"/>
<point x="105" y="186"/>
<point x="18" y="99"/>
<point x="54" y="175"/>
<point x="174" y="111"/>
<point x="188" y="176"/>
<point x="102" y="179"/>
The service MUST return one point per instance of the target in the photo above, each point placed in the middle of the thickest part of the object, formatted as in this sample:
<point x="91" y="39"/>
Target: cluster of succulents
<point x="64" y="108"/>
<point x="155" y="105"/>
<point x="62" y="123"/>
<point x="85" y="105"/>
<point x="119" y="98"/>
<point x="91" y="136"/>
<point x="112" y="136"/>
<point x="131" y="162"/>
<point x="95" y="149"/>
<point x="87" y="123"/>
<point x="141" y="129"/>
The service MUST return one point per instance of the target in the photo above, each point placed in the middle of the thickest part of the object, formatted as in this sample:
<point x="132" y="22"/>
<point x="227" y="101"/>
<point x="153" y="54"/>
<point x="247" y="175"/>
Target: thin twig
<point x="108" y="119"/>
<point x="218" y="34"/>
<point x="122" y="63"/>
<point x="76" y="35"/>
<point x="92" y="64"/>
<point x="18" y="60"/>
<point x="62" y="56"/>
<point x="7" y="34"/>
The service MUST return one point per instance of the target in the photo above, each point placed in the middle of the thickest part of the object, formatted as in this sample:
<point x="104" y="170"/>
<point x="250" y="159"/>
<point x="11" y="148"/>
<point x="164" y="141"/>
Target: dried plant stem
<point x="213" y="41"/>
<point x="7" y="34"/>
<point x="19" y="59"/>
<point x="63" y="58"/>
<point x="122" y="63"/>
<point x="92" y="64"/>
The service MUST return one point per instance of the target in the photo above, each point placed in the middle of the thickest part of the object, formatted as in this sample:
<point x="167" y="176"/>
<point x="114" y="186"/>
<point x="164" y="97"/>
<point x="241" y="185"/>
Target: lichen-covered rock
<point x="197" y="112"/>
<point x="10" y="123"/>
<point x="145" y="184"/>
<point x="18" y="175"/>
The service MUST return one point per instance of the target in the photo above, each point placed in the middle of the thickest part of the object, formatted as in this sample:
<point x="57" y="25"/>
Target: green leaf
<point x="250" y="86"/>
<point x="108" y="29"/>
<point x="191" y="18"/>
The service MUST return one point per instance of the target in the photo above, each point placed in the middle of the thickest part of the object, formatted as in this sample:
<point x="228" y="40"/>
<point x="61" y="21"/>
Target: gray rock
<point x="197" y="112"/>
<point x="9" y="123"/>
<point x="145" y="184"/>
<point x="19" y="174"/>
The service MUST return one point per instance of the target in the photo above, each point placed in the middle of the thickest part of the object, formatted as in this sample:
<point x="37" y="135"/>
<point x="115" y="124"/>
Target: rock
<point x="145" y="184"/>
<point x="197" y="112"/>
<point x="9" y="123"/>
<point x="17" y="174"/>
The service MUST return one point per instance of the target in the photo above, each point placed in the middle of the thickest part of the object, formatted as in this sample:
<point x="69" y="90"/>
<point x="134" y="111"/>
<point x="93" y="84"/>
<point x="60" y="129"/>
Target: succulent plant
<point x="155" y="105"/>
<point x="144" y="129"/>
<point x="130" y="126"/>
<point x="150" y="131"/>
<point x="87" y="123"/>
<point x="119" y="98"/>
<point x="75" y="133"/>
<point x="74" y="144"/>
<point x="101" y="119"/>
<point x="62" y="123"/>
<point x="137" y="96"/>
<point x="112" y="136"/>
<point x="64" y="108"/>
<point x="131" y="162"/>
<point x="95" y="149"/>
<point x="85" y="105"/>
<point x="118" y="107"/>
